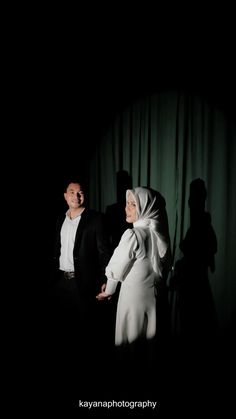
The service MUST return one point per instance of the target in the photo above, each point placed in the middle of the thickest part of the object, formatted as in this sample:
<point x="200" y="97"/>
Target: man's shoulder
<point x="93" y="214"/>
<point x="60" y="218"/>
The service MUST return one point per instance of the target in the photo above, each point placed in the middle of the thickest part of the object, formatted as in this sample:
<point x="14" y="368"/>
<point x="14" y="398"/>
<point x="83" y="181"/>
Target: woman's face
<point x="130" y="209"/>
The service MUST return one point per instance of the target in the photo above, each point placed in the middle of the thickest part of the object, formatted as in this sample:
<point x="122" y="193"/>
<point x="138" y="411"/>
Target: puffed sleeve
<point x="121" y="260"/>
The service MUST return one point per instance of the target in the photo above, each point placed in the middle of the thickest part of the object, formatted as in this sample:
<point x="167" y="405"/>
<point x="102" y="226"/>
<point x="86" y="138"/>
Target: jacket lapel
<point x="80" y="229"/>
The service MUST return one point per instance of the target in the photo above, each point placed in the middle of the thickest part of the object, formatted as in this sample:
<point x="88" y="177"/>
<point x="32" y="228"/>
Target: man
<point x="82" y="251"/>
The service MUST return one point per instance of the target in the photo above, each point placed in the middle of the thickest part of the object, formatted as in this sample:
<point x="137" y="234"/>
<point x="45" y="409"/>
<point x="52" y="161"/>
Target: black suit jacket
<point x="92" y="251"/>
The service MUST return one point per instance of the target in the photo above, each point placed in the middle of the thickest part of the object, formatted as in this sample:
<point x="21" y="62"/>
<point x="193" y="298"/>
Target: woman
<point x="138" y="263"/>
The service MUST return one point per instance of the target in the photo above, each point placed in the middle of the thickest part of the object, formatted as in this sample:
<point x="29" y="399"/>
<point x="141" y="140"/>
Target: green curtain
<point x="165" y="140"/>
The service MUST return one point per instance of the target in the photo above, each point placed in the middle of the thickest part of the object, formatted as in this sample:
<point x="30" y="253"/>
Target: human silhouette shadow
<point x="196" y="309"/>
<point x="115" y="213"/>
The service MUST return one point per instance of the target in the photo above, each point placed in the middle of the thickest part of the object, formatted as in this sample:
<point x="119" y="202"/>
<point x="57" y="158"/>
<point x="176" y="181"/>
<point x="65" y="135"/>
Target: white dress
<point x="136" y="308"/>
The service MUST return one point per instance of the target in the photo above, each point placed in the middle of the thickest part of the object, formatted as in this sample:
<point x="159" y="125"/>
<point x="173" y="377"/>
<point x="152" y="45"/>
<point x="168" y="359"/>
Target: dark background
<point x="65" y="95"/>
<point x="76" y="86"/>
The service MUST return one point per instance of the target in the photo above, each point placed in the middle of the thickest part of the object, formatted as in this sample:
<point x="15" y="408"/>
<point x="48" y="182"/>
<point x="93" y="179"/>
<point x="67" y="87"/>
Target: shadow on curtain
<point x="165" y="140"/>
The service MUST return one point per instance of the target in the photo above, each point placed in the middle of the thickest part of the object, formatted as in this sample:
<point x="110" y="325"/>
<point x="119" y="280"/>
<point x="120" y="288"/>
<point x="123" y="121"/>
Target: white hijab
<point x="151" y="213"/>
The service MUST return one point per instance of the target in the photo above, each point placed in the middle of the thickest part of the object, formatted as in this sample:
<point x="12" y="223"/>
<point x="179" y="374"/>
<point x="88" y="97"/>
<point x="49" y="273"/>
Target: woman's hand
<point x="102" y="295"/>
<point x="103" y="287"/>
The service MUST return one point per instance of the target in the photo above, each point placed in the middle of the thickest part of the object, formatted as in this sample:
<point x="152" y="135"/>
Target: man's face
<point x="74" y="196"/>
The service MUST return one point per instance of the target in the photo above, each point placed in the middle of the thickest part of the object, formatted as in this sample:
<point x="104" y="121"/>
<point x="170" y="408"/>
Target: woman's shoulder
<point x="133" y="236"/>
<point x="129" y="237"/>
<point x="128" y="240"/>
<point x="128" y="234"/>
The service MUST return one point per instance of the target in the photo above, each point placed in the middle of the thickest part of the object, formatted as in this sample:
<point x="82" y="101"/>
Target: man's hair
<point x="66" y="184"/>
<point x="73" y="179"/>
